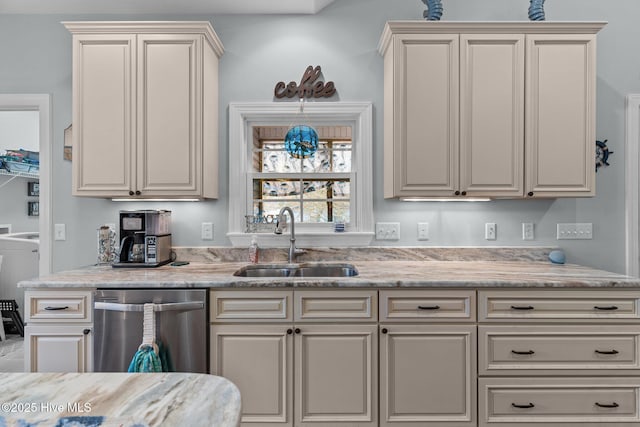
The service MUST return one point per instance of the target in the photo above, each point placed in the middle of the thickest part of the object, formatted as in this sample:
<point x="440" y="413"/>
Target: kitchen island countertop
<point x="118" y="399"/>
<point x="376" y="274"/>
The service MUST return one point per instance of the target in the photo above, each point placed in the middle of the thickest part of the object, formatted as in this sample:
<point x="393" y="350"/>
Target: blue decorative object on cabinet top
<point x="434" y="10"/>
<point x="536" y="10"/>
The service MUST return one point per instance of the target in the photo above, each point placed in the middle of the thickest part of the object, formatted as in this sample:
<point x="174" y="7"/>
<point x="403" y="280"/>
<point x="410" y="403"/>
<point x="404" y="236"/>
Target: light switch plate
<point x="387" y="230"/>
<point x="423" y="231"/>
<point x="575" y="231"/>
<point x="490" y="231"/>
<point x="59" y="232"/>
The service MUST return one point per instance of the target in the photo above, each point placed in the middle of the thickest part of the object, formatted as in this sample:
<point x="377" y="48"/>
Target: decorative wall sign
<point x="309" y="87"/>
<point x="33" y="189"/>
<point x="602" y="154"/>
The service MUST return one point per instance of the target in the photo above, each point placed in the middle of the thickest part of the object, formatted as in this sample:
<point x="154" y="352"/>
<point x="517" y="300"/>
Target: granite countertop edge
<point x="379" y="274"/>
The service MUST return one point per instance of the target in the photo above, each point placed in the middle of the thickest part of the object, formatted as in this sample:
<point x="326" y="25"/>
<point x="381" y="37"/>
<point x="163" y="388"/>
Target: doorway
<point x="40" y="103"/>
<point x="632" y="187"/>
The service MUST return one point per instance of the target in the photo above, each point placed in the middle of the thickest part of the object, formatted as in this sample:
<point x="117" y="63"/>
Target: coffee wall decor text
<point x="309" y="87"/>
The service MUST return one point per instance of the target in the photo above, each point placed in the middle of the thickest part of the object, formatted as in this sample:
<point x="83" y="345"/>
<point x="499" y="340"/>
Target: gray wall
<point x="343" y="38"/>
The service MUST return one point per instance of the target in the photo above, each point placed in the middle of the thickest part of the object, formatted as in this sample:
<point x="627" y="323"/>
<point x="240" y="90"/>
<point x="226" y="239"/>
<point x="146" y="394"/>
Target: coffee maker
<point x="145" y="238"/>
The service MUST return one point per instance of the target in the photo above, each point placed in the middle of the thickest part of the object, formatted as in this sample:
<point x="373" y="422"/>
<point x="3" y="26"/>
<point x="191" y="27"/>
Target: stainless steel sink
<point x="297" y="270"/>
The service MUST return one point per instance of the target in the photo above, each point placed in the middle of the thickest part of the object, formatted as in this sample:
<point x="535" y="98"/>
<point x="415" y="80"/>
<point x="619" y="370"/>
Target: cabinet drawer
<point x="58" y="306"/>
<point x="238" y="306"/>
<point x="541" y="306"/>
<point x="427" y="305"/>
<point x="569" y="350"/>
<point x="558" y="402"/>
<point x="352" y="306"/>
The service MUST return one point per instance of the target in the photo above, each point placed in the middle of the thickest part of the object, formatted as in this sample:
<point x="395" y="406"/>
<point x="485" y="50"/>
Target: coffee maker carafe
<point x="145" y="238"/>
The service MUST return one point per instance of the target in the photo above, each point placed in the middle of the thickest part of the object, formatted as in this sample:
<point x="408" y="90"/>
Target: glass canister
<point x="107" y="245"/>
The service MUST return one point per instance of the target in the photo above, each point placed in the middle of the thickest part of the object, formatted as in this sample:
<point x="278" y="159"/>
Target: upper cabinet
<point x="145" y="109"/>
<point x="491" y="109"/>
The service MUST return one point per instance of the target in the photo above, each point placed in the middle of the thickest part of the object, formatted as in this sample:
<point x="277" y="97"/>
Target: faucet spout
<point x="292" y="239"/>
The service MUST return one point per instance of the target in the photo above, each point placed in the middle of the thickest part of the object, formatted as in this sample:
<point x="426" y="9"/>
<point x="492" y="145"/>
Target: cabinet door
<point x="560" y="118"/>
<point x="427" y="375"/>
<point x="58" y="348"/>
<point x="103" y="120"/>
<point x="169" y="124"/>
<point x="425" y="121"/>
<point x="258" y="359"/>
<point x="492" y="114"/>
<point x="336" y="375"/>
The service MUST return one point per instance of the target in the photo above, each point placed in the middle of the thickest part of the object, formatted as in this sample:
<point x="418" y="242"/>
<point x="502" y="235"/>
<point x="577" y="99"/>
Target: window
<point x="332" y="185"/>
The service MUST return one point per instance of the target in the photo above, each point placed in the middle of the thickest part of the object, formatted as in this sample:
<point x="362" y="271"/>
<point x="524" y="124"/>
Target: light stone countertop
<point x="118" y="399"/>
<point x="376" y="274"/>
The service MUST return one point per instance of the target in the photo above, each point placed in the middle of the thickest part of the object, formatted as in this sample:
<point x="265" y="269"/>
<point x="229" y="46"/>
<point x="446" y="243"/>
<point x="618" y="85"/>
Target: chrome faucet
<point x="292" y="246"/>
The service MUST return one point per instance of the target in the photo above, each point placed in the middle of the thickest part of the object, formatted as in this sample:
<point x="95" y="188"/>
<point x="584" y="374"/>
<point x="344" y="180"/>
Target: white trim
<point x="41" y="103"/>
<point x="243" y="116"/>
<point x="632" y="160"/>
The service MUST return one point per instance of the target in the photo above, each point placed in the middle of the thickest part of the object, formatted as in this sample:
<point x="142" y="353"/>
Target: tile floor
<point x="12" y="354"/>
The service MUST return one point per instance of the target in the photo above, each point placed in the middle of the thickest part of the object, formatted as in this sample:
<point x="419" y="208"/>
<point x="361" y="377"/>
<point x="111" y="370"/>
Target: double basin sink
<point x="297" y="270"/>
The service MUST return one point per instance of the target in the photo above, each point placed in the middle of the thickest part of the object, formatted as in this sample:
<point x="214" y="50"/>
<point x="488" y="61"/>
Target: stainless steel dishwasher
<point x="181" y="327"/>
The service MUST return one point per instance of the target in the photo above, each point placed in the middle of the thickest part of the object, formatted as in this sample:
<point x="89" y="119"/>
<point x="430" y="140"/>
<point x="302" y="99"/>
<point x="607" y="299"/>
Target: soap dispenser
<point x="253" y="250"/>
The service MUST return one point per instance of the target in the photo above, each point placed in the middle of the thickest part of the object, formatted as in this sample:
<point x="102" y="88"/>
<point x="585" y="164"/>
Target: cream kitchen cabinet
<point x="145" y="109"/>
<point x="313" y="365"/>
<point x="59" y="331"/>
<point x="558" y="358"/>
<point x="427" y="362"/>
<point x="470" y="109"/>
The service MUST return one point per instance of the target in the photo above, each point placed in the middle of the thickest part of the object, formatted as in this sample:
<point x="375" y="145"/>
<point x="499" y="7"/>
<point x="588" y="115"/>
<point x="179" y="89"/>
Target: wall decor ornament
<point x="434" y="10"/>
<point x="602" y="154"/>
<point x="301" y="141"/>
<point x="536" y="10"/>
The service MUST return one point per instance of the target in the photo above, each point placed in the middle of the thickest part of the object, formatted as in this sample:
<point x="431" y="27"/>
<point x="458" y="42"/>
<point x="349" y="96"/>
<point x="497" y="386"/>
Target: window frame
<point x="244" y="116"/>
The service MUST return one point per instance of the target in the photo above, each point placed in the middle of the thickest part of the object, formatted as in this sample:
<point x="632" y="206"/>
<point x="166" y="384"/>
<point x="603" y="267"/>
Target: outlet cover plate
<point x="527" y="231"/>
<point x="423" y="231"/>
<point x="490" y="231"/>
<point x="207" y="231"/>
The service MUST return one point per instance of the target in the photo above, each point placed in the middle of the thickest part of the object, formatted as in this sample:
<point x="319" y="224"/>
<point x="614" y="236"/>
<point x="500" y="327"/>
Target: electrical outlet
<point x="490" y="231"/>
<point x="387" y="230"/>
<point x="527" y="231"/>
<point x="575" y="231"/>
<point x="59" y="232"/>
<point x="423" y="231"/>
<point x="207" y="231"/>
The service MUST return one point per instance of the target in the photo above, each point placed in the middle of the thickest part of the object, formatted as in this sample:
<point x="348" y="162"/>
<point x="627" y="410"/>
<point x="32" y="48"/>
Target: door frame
<point x="42" y="104"/>
<point x="632" y="164"/>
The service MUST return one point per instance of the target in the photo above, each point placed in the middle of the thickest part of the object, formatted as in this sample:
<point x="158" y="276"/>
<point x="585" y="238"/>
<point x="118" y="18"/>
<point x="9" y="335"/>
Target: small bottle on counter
<point x="254" y="250"/>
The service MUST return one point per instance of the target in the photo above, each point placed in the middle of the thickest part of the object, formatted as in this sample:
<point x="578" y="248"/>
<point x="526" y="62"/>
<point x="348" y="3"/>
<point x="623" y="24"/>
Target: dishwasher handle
<point x="169" y="306"/>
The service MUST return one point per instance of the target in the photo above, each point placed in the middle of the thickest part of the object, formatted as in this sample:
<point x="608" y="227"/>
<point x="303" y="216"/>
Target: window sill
<point x="304" y="239"/>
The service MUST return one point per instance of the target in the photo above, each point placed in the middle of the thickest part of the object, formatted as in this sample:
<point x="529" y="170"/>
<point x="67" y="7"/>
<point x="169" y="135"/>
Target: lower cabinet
<point x="427" y="375"/>
<point x="298" y="373"/>
<point x="58" y="336"/>
<point x="58" y="349"/>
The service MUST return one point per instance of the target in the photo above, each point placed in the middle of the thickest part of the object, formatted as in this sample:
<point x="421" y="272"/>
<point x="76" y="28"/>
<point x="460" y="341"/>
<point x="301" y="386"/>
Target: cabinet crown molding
<point x="475" y="27"/>
<point x="148" y="27"/>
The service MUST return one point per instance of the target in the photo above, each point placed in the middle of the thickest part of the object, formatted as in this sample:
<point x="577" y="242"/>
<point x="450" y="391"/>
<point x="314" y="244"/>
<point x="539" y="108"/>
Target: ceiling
<point x="162" y="6"/>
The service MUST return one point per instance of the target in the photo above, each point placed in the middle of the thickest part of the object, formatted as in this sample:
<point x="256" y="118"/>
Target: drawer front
<point x="567" y="349"/>
<point x="427" y="305"/>
<point x="58" y="306"/>
<point x="558" y="402"/>
<point x="238" y="306"/>
<point x="539" y="306"/>
<point x="352" y="306"/>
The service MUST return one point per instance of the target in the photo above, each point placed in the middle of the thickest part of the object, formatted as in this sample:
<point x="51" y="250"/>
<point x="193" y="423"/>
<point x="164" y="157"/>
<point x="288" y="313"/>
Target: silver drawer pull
<point x="170" y="306"/>
<point x="56" y="308"/>
<point x="528" y="405"/>
<point x="607" y="351"/>
<point x="523" y="352"/>
<point x="607" y="405"/>
<point x="522" y="307"/>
